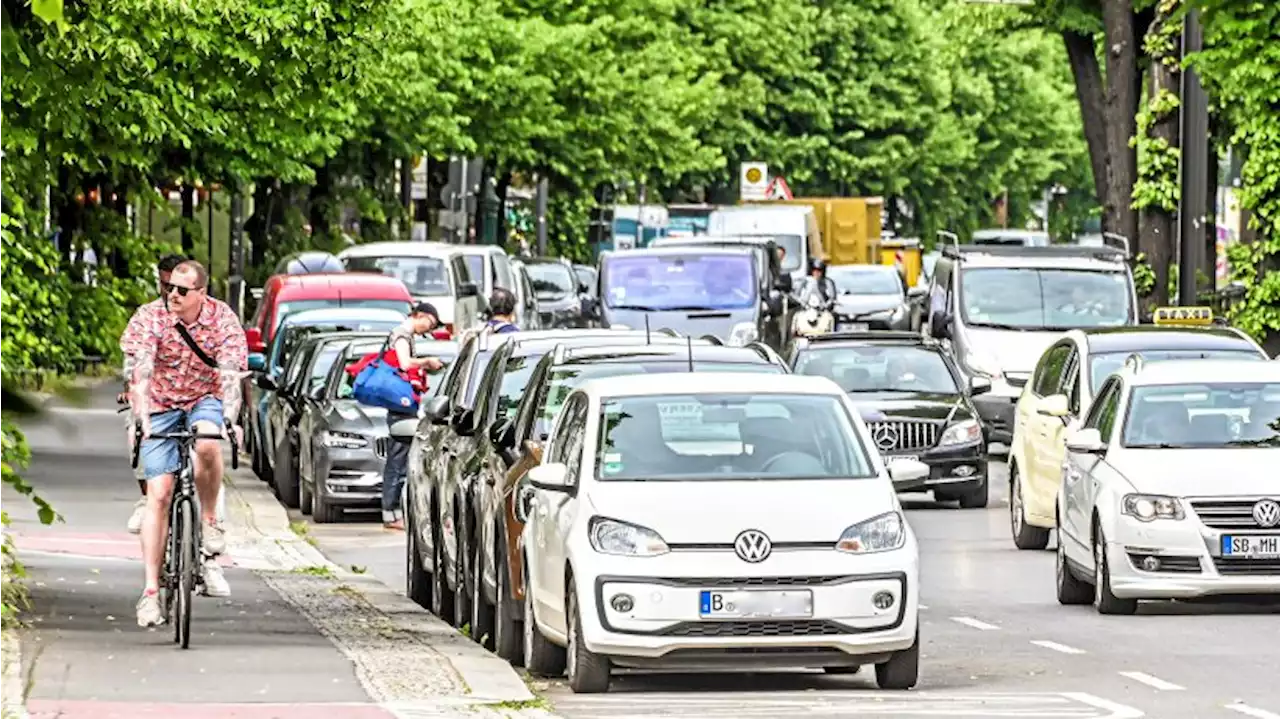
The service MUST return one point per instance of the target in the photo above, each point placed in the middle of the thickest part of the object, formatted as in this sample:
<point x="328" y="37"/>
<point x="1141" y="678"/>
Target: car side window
<point x="460" y="273"/>
<point x="529" y="403"/>
<point x="560" y="433"/>
<point x="1108" y="396"/>
<point x="1049" y="372"/>
<point x="576" y="428"/>
<point x="939" y="297"/>
<point x="1071" y="381"/>
<point x="1110" y="408"/>
<point x="455" y="385"/>
<point x="490" y="382"/>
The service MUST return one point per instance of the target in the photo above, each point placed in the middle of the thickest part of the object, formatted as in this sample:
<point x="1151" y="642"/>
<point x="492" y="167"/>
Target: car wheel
<point x="481" y="609"/>
<point x="1025" y="536"/>
<point x="541" y="657"/>
<point x="286" y="476"/>
<point x="306" y="498"/>
<point x="441" y="596"/>
<point x="588" y="672"/>
<point x="461" y="586"/>
<point x="506" y="622"/>
<point x="417" y="579"/>
<point x="322" y="510"/>
<point x="1103" y="599"/>
<point x="976" y="498"/>
<point x="902" y="671"/>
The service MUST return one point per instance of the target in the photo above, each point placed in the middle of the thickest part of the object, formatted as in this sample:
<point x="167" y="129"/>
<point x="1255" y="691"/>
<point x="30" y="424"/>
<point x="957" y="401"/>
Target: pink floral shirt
<point x="180" y="378"/>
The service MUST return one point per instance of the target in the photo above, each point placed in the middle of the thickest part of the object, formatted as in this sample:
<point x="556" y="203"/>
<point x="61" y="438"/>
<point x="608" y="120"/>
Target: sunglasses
<point x="182" y="291"/>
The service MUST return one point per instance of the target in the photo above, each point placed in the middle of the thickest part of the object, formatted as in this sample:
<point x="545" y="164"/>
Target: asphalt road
<point x="996" y="643"/>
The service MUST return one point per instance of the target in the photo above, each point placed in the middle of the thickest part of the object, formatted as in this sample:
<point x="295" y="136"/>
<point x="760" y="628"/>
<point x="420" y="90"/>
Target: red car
<point x="286" y="294"/>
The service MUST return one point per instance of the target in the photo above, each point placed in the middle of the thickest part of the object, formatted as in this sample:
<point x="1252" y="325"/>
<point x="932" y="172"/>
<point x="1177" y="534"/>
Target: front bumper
<point x="997" y="409"/>
<point x="664" y="629"/>
<point x="1191" y="562"/>
<point x="351" y="477"/>
<point x="956" y="468"/>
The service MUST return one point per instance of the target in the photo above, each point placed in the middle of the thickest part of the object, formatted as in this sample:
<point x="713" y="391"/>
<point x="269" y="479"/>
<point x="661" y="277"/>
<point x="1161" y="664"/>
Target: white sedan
<point x="713" y="521"/>
<point x="1170" y="490"/>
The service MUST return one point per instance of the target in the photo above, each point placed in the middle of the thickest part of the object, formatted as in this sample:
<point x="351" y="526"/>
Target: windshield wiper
<point x="1158" y="445"/>
<point x="692" y="308"/>
<point x="637" y="308"/>
<point x="1000" y="326"/>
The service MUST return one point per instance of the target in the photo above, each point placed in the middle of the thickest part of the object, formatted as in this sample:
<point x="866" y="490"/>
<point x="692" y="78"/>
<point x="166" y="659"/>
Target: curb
<point x="271" y="548"/>
<point x="13" y="705"/>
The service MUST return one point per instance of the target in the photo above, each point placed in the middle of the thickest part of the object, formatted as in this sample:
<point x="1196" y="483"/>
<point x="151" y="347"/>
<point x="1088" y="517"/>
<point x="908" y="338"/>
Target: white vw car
<point x="1171" y="489"/>
<point x="714" y="521"/>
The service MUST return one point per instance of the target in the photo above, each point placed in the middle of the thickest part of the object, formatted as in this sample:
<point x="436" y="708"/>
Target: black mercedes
<point x="916" y="404"/>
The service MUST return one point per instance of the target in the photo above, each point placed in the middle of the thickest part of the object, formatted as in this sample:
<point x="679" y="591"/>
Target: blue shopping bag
<point x="382" y="385"/>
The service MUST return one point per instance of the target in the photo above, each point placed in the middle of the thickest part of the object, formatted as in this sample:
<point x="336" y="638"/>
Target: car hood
<point x="1011" y="350"/>
<point x="861" y="304"/>
<point x="879" y="406"/>
<point x="692" y="324"/>
<point x="346" y="415"/>
<point x="715" y="512"/>
<point x="1199" y="472"/>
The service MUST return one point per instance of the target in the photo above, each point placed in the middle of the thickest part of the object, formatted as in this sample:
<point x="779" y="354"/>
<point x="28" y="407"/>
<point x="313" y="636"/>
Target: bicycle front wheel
<point x="186" y="564"/>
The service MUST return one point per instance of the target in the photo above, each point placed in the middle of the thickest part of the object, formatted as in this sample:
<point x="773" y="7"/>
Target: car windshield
<point x="1043" y="299"/>
<point x="422" y="275"/>
<point x="865" y="280"/>
<point x="564" y="380"/>
<point x="294" y="307"/>
<point x="552" y="280"/>
<point x="1102" y="366"/>
<point x="1204" y="415"/>
<point x="728" y="437"/>
<point x="883" y="368"/>
<point x="688" y="282"/>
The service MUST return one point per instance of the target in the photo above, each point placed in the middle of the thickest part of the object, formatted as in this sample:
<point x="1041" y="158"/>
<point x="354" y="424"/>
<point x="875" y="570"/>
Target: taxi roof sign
<point x="1199" y="316"/>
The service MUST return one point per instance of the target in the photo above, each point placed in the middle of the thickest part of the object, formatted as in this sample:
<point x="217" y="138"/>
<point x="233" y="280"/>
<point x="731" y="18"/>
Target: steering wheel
<point x="804" y="459"/>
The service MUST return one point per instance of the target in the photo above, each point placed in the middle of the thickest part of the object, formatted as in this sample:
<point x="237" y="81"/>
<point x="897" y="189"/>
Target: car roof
<point x="345" y="314"/>
<point x="709" y="383"/>
<point x="685" y="250"/>
<point x="864" y="268"/>
<point x="668" y="351"/>
<point x="545" y="341"/>
<point x="1155" y="337"/>
<point x="320" y="285"/>
<point x="439" y="250"/>
<point x="711" y="240"/>
<point x="1204" y="370"/>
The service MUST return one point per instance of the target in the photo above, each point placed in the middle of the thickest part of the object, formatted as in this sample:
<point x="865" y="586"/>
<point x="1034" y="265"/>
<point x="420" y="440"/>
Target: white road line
<point x="1056" y="646"/>
<point x="1252" y="711"/>
<point x="923" y="606"/>
<point x="1151" y="681"/>
<point x="975" y="623"/>
<point x="1118" y="711"/>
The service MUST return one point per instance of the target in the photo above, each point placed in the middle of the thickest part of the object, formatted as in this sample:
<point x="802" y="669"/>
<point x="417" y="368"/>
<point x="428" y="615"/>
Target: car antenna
<point x="646" y="330"/>
<point x="689" y="340"/>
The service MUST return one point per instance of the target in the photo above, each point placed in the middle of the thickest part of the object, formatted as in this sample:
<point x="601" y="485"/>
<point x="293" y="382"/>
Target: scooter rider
<point x="819" y="281"/>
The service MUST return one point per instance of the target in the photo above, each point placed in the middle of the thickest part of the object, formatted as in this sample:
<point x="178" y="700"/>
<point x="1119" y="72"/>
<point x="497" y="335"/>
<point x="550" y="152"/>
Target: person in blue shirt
<point x="502" y="310"/>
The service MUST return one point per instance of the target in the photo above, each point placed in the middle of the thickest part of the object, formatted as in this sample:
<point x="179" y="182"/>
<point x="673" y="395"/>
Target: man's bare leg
<point x="155" y="528"/>
<point x="208" y="469"/>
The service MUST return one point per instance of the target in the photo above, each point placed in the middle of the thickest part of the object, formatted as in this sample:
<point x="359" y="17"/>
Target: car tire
<point x="588" y="672"/>
<point x="1071" y="590"/>
<point x="481" y="609"/>
<point x="417" y="582"/>
<point x="1025" y="536"/>
<point x="902" y="671"/>
<point x="461" y="586"/>
<point x="1103" y="600"/>
<point x="541" y="657"/>
<point x="441" y="595"/>
<point x="976" y="498"/>
<point x="322" y="511"/>
<point x="506" y="620"/>
<point x="286" y="476"/>
<point x="306" y="498"/>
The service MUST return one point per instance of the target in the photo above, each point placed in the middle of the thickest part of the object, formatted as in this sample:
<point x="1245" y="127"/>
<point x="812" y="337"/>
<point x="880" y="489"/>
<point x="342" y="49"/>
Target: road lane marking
<point x="1151" y="681"/>
<point x="923" y="606"/>
<point x="1252" y="711"/>
<point x="1118" y="711"/>
<point x="1056" y="646"/>
<point x="975" y="623"/>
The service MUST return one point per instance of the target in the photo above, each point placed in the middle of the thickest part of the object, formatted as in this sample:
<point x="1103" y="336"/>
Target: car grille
<point x="1168" y="563"/>
<point x="1256" y="567"/>
<point x="1226" y="513"/>
<point x="903" y="435"/>
<point x="802" y="628"/>
<point x="380" y="446"/>
<point x="736" y="582"/>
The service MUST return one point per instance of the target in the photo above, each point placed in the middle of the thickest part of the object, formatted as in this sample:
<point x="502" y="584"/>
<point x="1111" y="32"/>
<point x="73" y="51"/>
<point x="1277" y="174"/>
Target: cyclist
<point x="164" y="269"/>
<point x="188" y="363"/>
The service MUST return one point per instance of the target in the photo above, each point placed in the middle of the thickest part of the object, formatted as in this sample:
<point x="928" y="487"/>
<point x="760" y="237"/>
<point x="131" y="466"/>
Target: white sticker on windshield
<point x="613" y="457"/>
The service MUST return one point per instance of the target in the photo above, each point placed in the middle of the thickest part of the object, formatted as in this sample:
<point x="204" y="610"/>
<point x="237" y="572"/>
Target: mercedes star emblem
<point x="753" y="546"/>
<point x="1267" y="513"/>
<point x="885" y="437"/>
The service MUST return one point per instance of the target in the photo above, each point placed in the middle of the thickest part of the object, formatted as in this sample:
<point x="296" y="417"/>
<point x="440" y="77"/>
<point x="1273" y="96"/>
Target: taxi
<point x="1064" y="385"/>
<point x="1169" y="490"/>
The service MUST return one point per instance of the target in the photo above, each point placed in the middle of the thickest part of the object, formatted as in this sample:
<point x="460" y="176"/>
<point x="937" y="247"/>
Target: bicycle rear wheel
<point x="186" y="565"/>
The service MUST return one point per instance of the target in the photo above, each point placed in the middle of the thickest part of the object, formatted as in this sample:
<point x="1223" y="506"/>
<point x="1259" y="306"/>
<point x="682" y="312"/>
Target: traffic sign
<point x="753" y="181"/>
<point x="778" y="189"/>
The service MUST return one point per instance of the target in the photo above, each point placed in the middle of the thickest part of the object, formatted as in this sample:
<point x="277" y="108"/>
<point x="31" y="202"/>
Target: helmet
<point x="305" y="263"/>
<point x="818" y="263"/>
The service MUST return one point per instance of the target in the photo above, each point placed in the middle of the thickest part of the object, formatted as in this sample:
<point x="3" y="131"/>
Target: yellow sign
<point x="754" y="175"/>
<point x="1183" y="316"/>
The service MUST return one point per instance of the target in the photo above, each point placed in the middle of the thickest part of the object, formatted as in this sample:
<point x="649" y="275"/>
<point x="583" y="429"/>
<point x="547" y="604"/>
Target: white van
<point x="794" y="228"/>
<point x="433" y="272"/>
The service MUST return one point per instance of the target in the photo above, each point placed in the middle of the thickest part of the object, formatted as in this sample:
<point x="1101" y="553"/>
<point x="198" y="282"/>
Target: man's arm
<point x="139" y="343"/>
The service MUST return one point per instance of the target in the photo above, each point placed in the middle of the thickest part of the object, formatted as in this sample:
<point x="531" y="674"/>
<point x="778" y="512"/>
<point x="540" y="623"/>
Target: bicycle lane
<point x="297" y="637"/>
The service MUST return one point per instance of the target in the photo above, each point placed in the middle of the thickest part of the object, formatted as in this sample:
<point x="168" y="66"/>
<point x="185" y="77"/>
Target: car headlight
<point x="878" y="534"/>
<point x="964" y="432"/>
<point x="344" y="440"/>
<point x="1150" y="507"/>
<point x="743" y="333"/>
<point x="609" y="536"/>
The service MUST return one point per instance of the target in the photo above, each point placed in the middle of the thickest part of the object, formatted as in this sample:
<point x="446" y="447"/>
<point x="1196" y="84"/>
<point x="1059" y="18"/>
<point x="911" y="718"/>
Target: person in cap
<point x="422" y="319"/>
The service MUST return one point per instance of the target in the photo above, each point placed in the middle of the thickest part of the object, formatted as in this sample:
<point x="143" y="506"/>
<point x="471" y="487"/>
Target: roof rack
<point x="868" y="335"/>
<point x="1119" y="251"/>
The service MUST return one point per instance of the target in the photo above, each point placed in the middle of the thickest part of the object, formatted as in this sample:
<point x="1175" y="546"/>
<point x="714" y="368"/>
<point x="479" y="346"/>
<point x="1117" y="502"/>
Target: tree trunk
<point x="1121" y="110"/>
<point x="500" y="189"/>
<point x="188" y="217"/>
<point x="318" y="207"/>
<point x="1082" y="54"/>
<point x="258" y="227"/>
<point x="1158" y="237"/>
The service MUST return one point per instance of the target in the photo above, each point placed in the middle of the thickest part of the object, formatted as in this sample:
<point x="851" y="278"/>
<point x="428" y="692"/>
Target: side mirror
<point x="317" y="393"/>
<point x="266" y="383"/>
<point x="468" y="289"/>
<point x="499" y="431"/>
<point x="1086" y="441"/>
<point x="436" y="409"/>
<point x="524" y="503"/>
<point x="940" y="325"/>
<point x="462" y="421"/>
<point x="907" y="470"/>
<point x="979" y="385"/>
<point x="1053" y="406"/>
<point x="583" y="289"/>
<point x="257" y="362"/>
<point x="253" y="338"/>
<point x="404" y="430"/>
<point x="917" y="292"/>
<point x="553" y="477"/>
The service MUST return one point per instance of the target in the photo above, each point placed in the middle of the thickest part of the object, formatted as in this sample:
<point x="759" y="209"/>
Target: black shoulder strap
<point x="191" y="342"/>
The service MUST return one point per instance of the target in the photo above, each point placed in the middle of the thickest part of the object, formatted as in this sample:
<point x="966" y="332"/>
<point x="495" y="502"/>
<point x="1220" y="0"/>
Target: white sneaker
<point x="215" y="540"/>
<point x="135" y="519"/>
<point x="215" y="584"/>
<point x="149" y="614"/>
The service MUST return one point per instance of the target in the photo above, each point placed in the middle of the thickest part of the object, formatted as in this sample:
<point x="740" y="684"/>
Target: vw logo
<point x="1266" y="513"/>
<point x="885" y="437"/>
<point x="753" y="546"/>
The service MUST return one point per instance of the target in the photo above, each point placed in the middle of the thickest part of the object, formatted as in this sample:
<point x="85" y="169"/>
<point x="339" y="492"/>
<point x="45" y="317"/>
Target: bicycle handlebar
<point x="185" y="435"/>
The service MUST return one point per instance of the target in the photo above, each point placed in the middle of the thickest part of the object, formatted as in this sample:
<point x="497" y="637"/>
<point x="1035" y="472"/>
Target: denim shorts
<point x="160" y="456"/>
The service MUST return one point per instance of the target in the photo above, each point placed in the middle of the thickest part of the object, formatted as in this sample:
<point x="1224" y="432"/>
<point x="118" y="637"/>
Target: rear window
<point x="421" y="275"/>
<point x="293" y="307"/>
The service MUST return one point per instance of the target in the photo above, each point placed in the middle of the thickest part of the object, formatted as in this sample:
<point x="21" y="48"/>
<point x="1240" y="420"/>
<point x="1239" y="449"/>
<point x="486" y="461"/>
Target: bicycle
<point x="181" y="575"/>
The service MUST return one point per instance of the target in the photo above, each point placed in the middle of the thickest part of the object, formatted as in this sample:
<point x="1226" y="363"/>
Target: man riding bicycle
<point x="188" y="362"/>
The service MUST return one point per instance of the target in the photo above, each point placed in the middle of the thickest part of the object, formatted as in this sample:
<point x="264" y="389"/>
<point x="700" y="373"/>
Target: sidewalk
<point x="299" y="636"/>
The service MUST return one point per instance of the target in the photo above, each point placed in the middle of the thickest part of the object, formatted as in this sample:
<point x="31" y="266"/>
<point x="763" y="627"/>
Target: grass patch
<point x="357" y="569"/>
<point x="302" y="529"/>
<point x="524" y="704"/>
<point x="316" y="571"/>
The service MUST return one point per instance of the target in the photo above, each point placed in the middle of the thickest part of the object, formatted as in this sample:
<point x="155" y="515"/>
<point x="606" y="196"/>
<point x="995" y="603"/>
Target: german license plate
<point x="853" y="327"/>
<point x="791" y="604"/>
<point x="1252" y="546"/>
<point x="891" y="458"/>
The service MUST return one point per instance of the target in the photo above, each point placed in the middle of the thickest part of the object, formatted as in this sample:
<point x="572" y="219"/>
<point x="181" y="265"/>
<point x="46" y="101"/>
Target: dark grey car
<point x="873" y="297"/>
